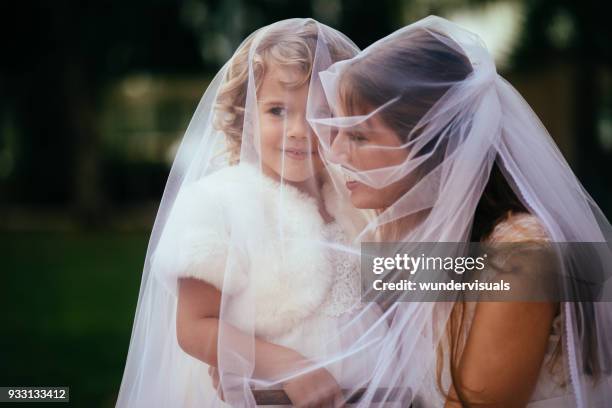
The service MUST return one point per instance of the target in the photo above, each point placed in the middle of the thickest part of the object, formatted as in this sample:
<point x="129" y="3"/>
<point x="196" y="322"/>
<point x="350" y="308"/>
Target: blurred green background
<point x="96" y="95"/>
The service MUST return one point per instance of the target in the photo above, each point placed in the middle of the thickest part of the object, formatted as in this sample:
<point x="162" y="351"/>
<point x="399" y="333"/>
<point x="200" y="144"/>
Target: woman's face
<point x="287" y="147"/>
<point x="371" y="145"/>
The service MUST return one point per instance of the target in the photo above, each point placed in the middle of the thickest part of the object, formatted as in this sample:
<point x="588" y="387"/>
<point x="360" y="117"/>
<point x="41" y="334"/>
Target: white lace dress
<point x="332" y="328"/>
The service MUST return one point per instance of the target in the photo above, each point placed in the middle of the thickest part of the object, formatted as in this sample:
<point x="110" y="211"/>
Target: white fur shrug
<point x="243" y="234"/>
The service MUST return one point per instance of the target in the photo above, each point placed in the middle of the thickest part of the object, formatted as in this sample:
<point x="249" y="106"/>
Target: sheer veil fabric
<point x="455" y="119"/>
<point x="257" y="206"/>
<point x="250" y="209"/>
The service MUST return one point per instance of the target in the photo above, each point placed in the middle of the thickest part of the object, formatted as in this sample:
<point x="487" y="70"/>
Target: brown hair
<point x="287" y="44"/>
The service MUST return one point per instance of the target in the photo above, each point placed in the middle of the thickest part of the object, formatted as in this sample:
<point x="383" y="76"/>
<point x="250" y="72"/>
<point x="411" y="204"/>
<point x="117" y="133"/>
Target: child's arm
<point x="197" y="327"/>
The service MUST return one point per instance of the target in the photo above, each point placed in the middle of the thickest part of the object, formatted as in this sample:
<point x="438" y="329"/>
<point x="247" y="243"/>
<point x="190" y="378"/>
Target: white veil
<point x="457" y="123"/>
<point x="250" y="211"/>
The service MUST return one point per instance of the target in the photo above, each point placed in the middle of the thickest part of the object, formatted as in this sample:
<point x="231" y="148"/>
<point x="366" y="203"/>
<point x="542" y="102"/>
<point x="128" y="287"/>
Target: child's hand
<point x="317" y="388"/>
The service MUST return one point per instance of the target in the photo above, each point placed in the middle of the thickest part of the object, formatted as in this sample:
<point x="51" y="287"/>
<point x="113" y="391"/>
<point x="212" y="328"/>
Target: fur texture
<point x="253" y="239"/>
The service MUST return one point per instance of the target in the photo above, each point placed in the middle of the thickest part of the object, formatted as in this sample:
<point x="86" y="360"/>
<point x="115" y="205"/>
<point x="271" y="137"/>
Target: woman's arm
<point x="503" y="354"/>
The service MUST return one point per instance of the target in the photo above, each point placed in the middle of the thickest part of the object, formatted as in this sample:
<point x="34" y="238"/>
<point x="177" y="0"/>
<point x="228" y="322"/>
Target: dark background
<point x="96" y="95"/>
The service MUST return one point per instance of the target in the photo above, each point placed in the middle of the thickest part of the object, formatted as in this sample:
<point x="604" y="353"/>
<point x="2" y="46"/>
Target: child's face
<point x="287" y="147"/>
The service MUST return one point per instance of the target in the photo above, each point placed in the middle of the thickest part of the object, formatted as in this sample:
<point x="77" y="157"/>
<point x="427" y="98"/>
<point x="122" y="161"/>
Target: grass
<point x="67" y="302"/>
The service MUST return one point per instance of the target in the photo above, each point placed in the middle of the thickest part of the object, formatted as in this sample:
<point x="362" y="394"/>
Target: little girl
<point x="258" y="293"/>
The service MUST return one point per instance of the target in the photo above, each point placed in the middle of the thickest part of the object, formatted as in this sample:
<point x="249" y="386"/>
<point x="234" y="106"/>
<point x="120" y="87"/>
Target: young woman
<point x="445" y="150"/>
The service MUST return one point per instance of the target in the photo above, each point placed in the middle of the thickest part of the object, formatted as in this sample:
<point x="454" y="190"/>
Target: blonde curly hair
<point x="287" y="45"/>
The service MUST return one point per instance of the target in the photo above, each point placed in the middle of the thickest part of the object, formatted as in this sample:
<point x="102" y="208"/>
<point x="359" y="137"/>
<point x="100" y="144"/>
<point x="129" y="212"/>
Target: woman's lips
<point x="351" y="185"/>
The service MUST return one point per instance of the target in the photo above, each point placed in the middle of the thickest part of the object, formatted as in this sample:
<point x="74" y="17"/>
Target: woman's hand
<point x="214" y="375"/>
<point x="317" y="388"/>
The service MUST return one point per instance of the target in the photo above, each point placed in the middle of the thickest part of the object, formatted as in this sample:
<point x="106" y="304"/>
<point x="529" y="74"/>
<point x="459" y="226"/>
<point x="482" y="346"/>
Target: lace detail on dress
<point x="345" y="292"/>
<point x="519" y="227"/>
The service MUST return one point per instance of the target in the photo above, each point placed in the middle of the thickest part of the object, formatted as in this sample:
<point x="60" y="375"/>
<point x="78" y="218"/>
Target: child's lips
<point x="298" y="154"/>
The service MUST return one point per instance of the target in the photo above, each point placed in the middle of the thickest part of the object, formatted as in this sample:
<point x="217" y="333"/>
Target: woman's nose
<point x="339" y="151"/>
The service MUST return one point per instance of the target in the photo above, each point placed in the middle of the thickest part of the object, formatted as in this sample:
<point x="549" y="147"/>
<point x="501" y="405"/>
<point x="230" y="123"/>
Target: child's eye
<point x="278" y="111"/>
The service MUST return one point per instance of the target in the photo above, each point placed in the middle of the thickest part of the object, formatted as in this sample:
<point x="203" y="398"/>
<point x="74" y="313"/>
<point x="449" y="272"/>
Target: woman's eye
<point x="356" y="137"/>
<point x="278" y="111"/>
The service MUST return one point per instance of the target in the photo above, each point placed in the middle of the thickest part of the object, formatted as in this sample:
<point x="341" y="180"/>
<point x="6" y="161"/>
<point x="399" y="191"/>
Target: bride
<point x="445" y="150"/>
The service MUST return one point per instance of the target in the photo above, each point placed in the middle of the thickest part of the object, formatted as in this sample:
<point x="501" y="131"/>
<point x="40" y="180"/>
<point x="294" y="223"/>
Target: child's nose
<point x="298" y="128"/>
<point x="339" y="151"/>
